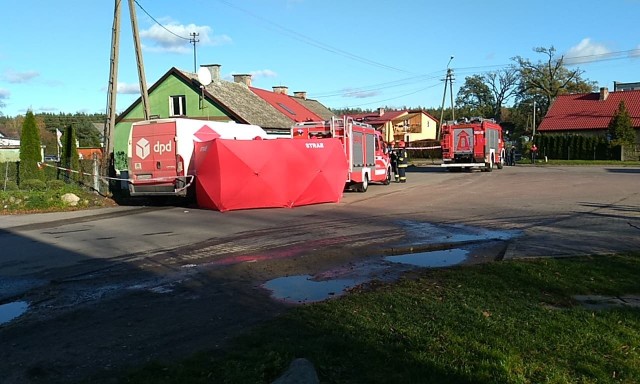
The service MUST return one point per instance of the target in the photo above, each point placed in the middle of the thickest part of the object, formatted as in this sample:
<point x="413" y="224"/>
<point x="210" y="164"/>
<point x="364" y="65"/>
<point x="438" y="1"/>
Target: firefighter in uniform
<point x="403" y="157"/>
<point x="393" y="156"/>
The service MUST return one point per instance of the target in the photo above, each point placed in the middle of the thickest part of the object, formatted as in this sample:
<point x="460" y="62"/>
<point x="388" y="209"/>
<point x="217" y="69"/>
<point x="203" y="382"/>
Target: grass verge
<point x="49" y="200"/>
<point x="505" y="322"/>
<point x="582" y="163"/>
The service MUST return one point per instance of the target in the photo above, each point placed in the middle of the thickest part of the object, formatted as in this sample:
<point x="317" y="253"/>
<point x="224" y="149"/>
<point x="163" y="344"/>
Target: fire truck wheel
<point x="500" y="164"/>
<point x="387" y="180"/>
<point x="362" y="187"/>
<point x="489" y="165"/>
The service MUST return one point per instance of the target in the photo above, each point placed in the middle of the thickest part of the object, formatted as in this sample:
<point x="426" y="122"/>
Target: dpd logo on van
<point x="143" y="148"/>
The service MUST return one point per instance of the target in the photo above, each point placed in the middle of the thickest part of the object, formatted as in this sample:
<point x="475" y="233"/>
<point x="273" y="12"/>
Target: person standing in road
<point x="393" y="156"/>
<point x="512" y="155"/>
<point x="403" y="158"/>
<point x="534" y="153"/>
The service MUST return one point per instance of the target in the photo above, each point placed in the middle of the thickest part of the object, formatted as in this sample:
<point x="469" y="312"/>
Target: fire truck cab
<point x="366" y="153"/>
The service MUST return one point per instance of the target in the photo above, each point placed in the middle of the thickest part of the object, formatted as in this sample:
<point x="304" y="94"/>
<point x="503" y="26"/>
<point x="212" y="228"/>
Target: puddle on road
<point x="12" y="310"/>
<point x="427" y="233"/>
<point x="432" y="259"/>
<point x="308" y="289"/>
<point x="303" y="289"/>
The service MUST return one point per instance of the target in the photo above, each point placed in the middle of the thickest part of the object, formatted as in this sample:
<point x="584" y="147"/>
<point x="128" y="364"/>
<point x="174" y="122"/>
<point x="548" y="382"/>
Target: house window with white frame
<point x="177" y="105"/>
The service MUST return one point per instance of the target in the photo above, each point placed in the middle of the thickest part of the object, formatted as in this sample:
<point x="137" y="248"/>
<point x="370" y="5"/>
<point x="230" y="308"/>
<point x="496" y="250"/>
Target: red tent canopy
<point x="243" y="174"/>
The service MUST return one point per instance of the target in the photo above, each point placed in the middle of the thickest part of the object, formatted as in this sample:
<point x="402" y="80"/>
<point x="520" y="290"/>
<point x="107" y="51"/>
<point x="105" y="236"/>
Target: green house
<point x="180" y="94"/>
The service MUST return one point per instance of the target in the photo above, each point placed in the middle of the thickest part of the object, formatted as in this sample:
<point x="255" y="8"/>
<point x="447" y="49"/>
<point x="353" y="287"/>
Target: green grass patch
<point x="47" y="197"/>
<point x="504" y="322"/>
<point x="616" y="163"/>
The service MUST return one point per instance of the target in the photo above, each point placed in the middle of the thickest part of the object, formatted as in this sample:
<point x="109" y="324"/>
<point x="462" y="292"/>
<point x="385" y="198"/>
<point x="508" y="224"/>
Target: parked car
<point x="52" y="158"/>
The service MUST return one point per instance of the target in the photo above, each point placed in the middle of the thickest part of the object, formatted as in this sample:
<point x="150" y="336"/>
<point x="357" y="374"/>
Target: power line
<point x="308" y="40"/>
<point x="382" y="86"/>
<point x="157" y="22"/>
<point x="394" y="98"/>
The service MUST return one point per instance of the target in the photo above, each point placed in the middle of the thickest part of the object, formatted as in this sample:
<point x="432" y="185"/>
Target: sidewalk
<point x="18" y="220"/>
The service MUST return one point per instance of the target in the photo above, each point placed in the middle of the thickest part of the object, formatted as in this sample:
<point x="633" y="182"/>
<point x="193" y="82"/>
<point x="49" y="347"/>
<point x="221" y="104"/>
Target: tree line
<point x="84" y="126"/>
<point x="519" y="95"/>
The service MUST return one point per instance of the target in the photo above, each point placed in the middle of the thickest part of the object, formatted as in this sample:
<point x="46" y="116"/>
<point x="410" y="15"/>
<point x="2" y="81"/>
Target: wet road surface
<point x="90" y="292"/>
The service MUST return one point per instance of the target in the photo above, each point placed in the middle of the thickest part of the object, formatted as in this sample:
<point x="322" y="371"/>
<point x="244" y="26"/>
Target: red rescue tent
<point x="244" y="174"/>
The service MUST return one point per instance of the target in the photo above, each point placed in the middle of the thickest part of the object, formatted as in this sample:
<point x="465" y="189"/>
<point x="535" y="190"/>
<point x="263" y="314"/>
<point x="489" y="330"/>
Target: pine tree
<point x="620" y="128"/>
<point x="70" y="158"/>
<point x="30" y="149"/>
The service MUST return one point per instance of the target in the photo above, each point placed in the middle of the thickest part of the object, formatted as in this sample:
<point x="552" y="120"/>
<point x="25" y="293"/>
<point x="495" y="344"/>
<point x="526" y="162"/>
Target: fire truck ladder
<point x="337" y="127"/>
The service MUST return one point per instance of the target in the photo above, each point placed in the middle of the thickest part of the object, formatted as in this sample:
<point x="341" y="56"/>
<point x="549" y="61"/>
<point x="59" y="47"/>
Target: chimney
<point x="280" y="89"/>
<point x="380" y="111"/>
<point x="604" y="93"/>
<point x="242" y="79"/>
<point x="214" y="69"/>
<point x="300" y="94"/>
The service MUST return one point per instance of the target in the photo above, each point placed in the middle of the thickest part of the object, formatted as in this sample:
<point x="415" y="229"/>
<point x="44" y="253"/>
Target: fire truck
<point x="366" y="153"/>
<point x="474" y="143"/>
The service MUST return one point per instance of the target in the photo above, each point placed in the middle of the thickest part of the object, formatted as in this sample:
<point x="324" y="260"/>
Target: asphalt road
<point x="561" y="211"/>
<point x="86" y="274"/>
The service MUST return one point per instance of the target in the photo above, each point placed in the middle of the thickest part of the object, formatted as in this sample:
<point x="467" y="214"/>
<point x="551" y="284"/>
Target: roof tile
<point x="585" y="111"/>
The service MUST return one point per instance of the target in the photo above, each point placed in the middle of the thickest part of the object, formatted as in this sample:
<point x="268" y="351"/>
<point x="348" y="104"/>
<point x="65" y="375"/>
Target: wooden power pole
<point x="141" y="77"/>
<point x="109" y="128"/>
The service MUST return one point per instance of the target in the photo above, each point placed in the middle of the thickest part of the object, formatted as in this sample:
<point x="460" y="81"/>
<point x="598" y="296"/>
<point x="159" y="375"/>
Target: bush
<point x="33" y="185"/>
<point x="55" y="185"/>
<point x="10" y="186"/>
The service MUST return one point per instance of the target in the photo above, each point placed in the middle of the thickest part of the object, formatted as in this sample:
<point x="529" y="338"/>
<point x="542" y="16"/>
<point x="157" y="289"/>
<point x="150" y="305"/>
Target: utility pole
<point x="109" y="130"/>
<point x="138" y="47"/>
<point x="109" y="126"/>
<point x="447" y="78"/>
<point x="193" y="41"/>
<point x="453" y="110"/>
<point x="534" y="119"/>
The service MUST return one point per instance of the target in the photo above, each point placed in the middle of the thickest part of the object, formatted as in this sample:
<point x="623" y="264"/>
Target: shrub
<point x="55" y="185"/>
<point x="10" y="186"/>
<point x="33" y="185"/>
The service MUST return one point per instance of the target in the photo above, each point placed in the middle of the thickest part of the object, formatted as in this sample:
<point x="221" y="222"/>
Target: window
<point x="177" y="105"/>
<point x="286" y="108"/>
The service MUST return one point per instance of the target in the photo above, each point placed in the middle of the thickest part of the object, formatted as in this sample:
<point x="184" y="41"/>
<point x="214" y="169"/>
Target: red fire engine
<point x="367" y="157"/>
<point x="476" y="143"/>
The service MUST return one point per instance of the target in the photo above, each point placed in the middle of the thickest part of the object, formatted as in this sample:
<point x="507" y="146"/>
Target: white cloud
<point x="585" y="51"/>
<point x="175" y="38"/>
<point x="128" y="89"/>
<point x="47" y="109"/>
<point x="14" y="77"/>
<point x="263" y="73"/>
<point x="4" y="94"/>
<point x="358" y="94"/>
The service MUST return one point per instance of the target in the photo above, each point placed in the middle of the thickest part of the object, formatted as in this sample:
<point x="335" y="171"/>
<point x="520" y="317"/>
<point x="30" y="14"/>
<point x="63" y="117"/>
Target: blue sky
<point x="54" y="55"/>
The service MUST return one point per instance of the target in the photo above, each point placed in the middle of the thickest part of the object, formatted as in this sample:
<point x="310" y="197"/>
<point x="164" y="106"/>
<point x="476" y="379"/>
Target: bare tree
<point x="503" y="85"/>
<point x="549" y="78"/>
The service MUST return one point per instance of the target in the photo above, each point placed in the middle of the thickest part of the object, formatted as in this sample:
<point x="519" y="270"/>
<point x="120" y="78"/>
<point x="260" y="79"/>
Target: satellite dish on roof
<point x="204" y="76"/>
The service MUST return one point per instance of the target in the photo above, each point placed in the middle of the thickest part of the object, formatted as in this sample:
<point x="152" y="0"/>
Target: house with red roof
<point x="401" y="125"/>
<point x="287" y="105"/>
<point x="590" y="113"/>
